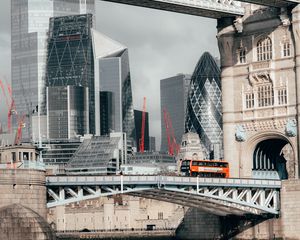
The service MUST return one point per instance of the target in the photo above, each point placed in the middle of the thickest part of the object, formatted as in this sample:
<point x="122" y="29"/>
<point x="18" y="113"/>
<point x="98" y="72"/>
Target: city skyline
<point x="153" y="50"/>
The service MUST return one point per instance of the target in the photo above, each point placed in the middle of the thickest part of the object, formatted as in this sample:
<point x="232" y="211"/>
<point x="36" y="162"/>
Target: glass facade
<point x="138" y="115"/>
<point x="204" y="106"/>
<point x="67" y="111"/>
<point x="106" y="112"/>
<point x="70" y="60"/>
<point x="29" y="27"/>
<point x="173" y="98"/>
<point x="98" y="155"/>
<point x="113" y="75"/>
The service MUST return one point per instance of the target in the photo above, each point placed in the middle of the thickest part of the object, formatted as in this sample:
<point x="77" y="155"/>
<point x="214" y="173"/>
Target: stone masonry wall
<point x="25" y="187"/>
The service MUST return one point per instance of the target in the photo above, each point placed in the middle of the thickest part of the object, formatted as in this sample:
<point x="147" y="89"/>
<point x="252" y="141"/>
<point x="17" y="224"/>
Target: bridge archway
<point x="271" y="155"/>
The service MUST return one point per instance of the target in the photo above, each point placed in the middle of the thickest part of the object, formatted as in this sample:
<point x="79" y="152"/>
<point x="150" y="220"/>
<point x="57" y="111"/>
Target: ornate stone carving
<point x="265" y="125"/>
<point x="240" y="133"/>
<point x="284" y="17"/>
<point x="259" y="78"/>
<point x="238" y="24"/>
<point x="291" y="128"/>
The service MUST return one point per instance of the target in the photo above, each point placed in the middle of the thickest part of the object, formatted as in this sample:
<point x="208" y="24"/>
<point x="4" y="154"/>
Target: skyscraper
<point x="67" y="111"/>
<point x="29" y="27"/>
<point x="138" y="115"/>
<point x="70" y="62"/>
<point x="112" y="74"/>
<point x="173" y="98"/>
<point x="204" y="106"/>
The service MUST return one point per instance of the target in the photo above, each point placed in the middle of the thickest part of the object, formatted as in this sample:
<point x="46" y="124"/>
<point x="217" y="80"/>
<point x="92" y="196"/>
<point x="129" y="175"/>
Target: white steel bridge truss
<point x="218" y="196"/>
<point x="205" y="8"/>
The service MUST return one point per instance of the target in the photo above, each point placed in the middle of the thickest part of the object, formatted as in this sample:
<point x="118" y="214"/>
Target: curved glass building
<point x="204" y="106"/>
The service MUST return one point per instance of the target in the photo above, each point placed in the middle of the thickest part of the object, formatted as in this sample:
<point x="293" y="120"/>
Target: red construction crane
<point x="10" y="103"/>
<point x="173" y="147"/>
<point x="142" y="139"/>
<point x="21" y="125"/>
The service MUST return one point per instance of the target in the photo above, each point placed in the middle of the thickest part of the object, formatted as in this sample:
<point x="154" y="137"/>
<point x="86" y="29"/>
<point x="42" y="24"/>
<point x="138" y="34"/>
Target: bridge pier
<point x="23" y="205"/>
<point x="199" y="225"/>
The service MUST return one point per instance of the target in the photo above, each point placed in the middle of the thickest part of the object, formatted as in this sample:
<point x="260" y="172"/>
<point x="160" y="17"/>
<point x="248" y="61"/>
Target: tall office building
<point x="106" y="112"/>
<point x="70" y="62"/>
<point x="112" y="75"/>
<point x="138" y="116"/>
<point x="152" y="143"/>
<point x="29" y="27"/>
<point x="173" y="98"/>
<point x="204" y="106"/>
<point x="67" y="112"/>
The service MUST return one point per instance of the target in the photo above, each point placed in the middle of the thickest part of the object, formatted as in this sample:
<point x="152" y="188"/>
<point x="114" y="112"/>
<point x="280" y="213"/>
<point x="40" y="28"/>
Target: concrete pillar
<point x="296" y="35"/>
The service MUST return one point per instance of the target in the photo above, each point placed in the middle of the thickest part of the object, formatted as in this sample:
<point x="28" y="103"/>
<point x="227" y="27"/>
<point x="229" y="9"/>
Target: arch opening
<point x="274" y="156"/>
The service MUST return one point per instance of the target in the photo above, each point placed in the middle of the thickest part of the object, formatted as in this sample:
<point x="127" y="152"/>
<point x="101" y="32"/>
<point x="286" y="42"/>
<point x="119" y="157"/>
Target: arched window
<point x="264" y="49"/>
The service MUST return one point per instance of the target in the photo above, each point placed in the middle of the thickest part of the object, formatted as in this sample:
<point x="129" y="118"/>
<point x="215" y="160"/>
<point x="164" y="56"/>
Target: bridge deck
<point x="215" y="195"/>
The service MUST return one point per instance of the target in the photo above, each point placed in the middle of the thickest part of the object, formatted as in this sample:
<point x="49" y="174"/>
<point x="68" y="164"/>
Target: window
<point x="282" y="97"/>
<point x="264" y="49"/>
<point x="249" y="100"/>
<point x="286" y="49"/>
<point x="265" y="95"/>
<point x="242" y="55"/>
<point x="160" y="215"/>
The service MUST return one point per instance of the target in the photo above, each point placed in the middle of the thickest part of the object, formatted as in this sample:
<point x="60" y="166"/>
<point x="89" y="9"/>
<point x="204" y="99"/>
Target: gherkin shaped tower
<point x="204" y="106"/>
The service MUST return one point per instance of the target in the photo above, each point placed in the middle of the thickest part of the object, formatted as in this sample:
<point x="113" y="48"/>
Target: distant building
<point x="138" y="129"/>
<point x="99" y="155"/>
<point x="67" y="112"/>
<point x="173" y="98"/>
<point x="152" y="146"/>
<point x="58" y="153"/>
<point x="29" y="29"/>
<point x="204" y="106"/>
<point x="112" y="74"/>
<point x="107" y="119"/>
<point x="151" y="157"/>
<point x="70" y="77"/>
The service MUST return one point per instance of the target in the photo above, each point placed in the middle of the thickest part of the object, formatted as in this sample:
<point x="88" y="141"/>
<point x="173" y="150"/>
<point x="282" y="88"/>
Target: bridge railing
<point x="159" y="180"/>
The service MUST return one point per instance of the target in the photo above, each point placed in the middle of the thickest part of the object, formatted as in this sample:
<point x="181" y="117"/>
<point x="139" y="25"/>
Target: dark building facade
<point x="204" y="106"/>
<point x="70" y="62"/>
<point x="138" y="129"/>
<point x="173" y="99"/>
<point x="106" y="112"/>
<point x="67" y="112"/>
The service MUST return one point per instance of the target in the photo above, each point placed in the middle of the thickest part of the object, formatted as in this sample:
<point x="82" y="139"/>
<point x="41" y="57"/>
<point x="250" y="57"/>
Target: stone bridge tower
<point x="260" y="66"/>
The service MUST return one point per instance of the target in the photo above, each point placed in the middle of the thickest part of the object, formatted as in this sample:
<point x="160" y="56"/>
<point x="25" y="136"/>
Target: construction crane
<point x="173" y="147"/>
<point x="21" y="125"/>
<point x="11" y="106"/>
<point x="142" y="139"/>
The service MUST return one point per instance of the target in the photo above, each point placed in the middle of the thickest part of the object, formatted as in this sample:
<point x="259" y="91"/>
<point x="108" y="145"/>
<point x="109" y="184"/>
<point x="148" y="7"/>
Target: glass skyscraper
<point x="204" y="106"/>
<point x="29" y="27"/>
<point x="70" y="62"/>
<point x="173" y="98"/>
<point x="112" y="74"/>
<point x="138" y="117"/>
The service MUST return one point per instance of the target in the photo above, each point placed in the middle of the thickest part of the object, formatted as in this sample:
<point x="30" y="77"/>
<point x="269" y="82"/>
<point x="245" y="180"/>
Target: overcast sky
<point x="161" y="44"/>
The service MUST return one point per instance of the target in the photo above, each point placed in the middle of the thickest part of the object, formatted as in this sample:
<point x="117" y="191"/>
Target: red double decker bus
<point x="205" y="168"/>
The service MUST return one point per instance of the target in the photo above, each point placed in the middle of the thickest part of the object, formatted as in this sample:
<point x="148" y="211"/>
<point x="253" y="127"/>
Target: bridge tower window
<point x="282" y="96"/>
<point x="242" y="55"/>
<point x="265" y="95"/>
<point x="264" y="49"/>
<point x="249" y="100"/>
<point x="286" y="49"/>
